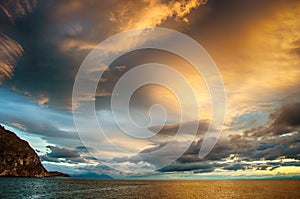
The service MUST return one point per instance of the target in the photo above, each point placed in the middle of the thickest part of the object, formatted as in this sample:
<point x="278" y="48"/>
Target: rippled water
<point x="96" y="188"/>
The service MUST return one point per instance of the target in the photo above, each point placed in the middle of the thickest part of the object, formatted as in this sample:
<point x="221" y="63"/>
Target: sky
<point x="254" y="43"/>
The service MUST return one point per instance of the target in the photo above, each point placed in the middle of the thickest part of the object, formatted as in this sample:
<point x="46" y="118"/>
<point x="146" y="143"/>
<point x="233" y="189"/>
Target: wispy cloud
<point x="18" y="125"/>
<point x="10" y="51"/>
<point x="14" y="9"/>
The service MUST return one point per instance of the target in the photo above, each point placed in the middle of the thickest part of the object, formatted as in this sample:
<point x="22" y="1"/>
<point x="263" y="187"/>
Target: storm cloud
<point x="256" y="144"/>
<point x="64" y="155"/>
<point x="288" y="115"/>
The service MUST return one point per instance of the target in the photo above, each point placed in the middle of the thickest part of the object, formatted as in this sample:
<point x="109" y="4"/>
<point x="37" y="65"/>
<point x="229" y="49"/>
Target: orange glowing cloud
<point x="258" y="59"/>
<point x="151" y="13"/>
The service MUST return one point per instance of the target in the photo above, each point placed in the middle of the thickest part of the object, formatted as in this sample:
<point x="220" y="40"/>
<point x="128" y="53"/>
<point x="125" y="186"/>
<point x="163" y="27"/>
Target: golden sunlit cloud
<point x="43" y="100"/>
<point x="151" y="13"/>
<point x="264" y="62"/>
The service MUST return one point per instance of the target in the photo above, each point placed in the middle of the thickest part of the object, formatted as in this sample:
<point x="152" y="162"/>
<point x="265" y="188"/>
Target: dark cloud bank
<point x="278" y="139"/>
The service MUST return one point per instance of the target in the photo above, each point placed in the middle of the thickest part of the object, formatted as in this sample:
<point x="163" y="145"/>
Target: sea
<point x="98" y="188"/>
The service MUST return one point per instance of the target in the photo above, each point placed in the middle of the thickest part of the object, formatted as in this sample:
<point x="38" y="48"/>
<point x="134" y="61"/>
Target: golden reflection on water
<point x="97" y="188"/>
<point x="225" y="189"/>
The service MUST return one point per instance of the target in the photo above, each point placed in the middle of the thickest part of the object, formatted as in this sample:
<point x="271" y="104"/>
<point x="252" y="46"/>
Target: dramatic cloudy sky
<point x="254" y="43"/>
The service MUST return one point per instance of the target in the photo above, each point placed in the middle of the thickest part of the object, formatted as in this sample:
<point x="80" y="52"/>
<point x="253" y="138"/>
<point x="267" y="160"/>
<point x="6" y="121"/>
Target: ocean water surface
<point x="96" y="188"/>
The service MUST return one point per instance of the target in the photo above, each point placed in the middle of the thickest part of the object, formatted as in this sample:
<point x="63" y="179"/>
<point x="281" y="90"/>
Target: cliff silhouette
<point x="18" y="159"/>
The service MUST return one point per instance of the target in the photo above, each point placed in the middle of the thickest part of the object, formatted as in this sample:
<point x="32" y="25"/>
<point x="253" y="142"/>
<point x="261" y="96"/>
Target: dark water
<point x="96" y="188"/>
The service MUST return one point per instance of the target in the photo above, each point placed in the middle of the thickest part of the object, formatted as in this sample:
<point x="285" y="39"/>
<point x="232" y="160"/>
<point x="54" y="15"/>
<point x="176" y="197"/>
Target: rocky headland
<point x="18" y="159"/>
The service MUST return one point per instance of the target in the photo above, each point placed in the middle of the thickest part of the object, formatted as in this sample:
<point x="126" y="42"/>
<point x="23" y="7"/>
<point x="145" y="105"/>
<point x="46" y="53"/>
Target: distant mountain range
<point x="91" y="175"/>
<point x="18" y="159"/>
